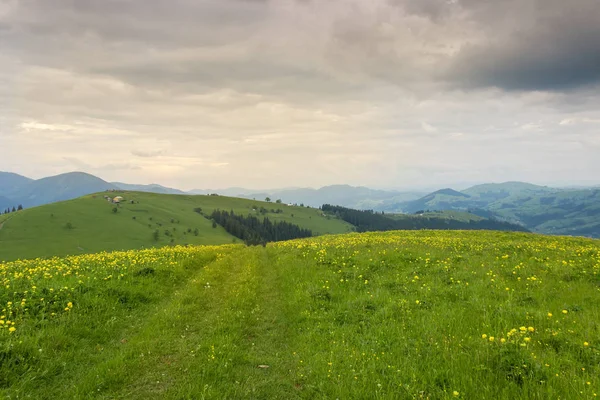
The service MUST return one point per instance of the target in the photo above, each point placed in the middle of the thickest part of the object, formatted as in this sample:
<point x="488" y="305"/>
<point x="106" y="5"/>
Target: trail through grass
<point x="394" y="315"/>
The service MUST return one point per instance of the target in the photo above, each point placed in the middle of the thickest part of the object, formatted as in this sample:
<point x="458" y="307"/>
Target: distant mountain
<point x="57" y="188"/>
<point x="491" y="192"/>
<point x="10" y="182"/>
<point x="357" y="197"/>
<point x="152" y="188"/>
<point x="566" y="212"/>
<point x="231" y="192"/>
<point x="476" y="197"/>
<point x="538" y="208"/>
<point x="5" y="203"/>
<point x="444" y="199"/>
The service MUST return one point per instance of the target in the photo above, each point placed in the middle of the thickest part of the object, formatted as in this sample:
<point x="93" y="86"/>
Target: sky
<point x="280" y="93"/>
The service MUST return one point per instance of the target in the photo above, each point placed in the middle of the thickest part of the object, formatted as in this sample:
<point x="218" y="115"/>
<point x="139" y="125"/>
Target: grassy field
<point x="419" y="314"/>
<point x="88" y="224"/>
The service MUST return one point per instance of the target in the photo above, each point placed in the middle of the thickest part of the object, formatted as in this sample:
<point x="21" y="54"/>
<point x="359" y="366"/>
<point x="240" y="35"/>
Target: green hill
<point x="491" y="192"/>
<point x="538" y="208"/>
<point x="567" y="212"/>
<point x="394" y="315"/>
<point x="88" y="224"/>
<point x="439" y="200"/>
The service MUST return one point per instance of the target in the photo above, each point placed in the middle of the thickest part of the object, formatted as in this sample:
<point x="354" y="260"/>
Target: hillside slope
<point x="9" y="182"/>
<point x="151" y="188"/>
<point x="568" y="212"/>
<point x="58" y="188"/>
<point x="88" y="224"/>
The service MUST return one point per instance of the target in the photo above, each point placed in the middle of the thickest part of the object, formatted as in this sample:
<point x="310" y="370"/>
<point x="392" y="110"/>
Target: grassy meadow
<point x="89" y="225"/>
<point x="394" y="315"/>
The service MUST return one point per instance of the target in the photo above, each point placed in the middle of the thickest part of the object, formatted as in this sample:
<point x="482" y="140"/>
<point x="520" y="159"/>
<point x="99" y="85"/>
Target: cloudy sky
<point x="263" y="94"/>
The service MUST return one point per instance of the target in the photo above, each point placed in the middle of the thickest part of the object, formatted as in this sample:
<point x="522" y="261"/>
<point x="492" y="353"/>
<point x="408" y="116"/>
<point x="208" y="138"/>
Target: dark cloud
<point x="536" y="45"/>
<point x="111" y="82"/>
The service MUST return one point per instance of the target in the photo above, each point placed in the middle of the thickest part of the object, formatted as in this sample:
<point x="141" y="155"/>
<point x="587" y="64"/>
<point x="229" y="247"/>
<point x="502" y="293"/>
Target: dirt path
<point x="3" y="222"/>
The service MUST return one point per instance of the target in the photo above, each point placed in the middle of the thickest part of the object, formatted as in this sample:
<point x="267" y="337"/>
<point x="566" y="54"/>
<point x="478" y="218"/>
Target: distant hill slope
<point x="19" y="189"/>
<point x="88" y="224"/>
<point x="365" y="221"/>
<point x="539" y="208"/>
<point x="58" y="188"/>
<point x="151" y="188"/>
<point x="10" y="182"/>
<point x="480" y="196"/>
<point x="443" y="199"/>
<point x="491" y="192"/>
<point x="567" y="212"/>
<point x="357" y="197"/>
<point x="5" y="203"/>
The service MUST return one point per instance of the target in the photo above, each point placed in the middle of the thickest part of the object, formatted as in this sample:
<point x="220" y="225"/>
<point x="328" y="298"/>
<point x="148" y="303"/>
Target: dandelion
<point x="527" y="340"/>
<point x="549" y="315"/>
<point x="492" y="338"/>
<point x="585" y="344"/>
<point x="565" y="312"/>
<point x="12" y="329"/>
<point x="455" y="393"/>
<point x="531" y="329"/>
<point x="502" y="340"/>
<point x="484" y="336"/>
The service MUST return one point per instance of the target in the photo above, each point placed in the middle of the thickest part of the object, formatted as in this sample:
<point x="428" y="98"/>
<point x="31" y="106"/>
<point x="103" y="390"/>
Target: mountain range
<point x="16" y="189"/>
<point x="543" y="209"/>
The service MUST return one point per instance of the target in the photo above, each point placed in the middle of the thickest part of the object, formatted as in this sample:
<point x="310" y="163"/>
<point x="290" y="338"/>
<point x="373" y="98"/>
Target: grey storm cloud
<point x="531" y="45"/>
<point x="219" y="86"/>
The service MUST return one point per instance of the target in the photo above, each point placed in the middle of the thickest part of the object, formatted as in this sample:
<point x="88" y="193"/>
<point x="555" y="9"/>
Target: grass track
<point x="381" y="315"/>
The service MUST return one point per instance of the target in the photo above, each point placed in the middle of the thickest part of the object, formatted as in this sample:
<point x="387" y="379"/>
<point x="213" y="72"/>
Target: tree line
<point x="366" y="221"/>
<point x="254" y="231"/>
<point x="9" y="210"/>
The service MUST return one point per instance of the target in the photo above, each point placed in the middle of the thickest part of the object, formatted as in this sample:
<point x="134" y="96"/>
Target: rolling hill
<point x="358" y="197"/>
<point x="443" y="199"/>
<point x="6" y="203"/>
<point x="567" y="212"/>
<point x="88" y="224"/>
<point x="151" y="188"/>
<point x="540" y="209"/>
<point x="19" y="189"/>
<point x="491" y="192"/>
<point x="55" y="188"/>
<point x="10" y="182"/>
<point x="479" y="196"/>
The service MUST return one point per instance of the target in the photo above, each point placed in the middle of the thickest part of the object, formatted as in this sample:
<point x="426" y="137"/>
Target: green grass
<point x="88" y="225"/>
<point x="379" y="315"/>
<point x="462" y="216"/>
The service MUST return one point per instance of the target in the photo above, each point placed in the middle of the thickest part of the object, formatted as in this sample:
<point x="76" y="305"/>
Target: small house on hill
<point x="118" y="199"/>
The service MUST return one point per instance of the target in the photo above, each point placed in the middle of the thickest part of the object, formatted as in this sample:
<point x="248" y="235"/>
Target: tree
<point x="14" y="209"/>
<point x="156" y="235"/>
<point x="268" y="199"/>
<point x="69" y="225"/>
<point x="114" y="210"/>
<point x="278" y="201"/>
<point x="20" y="207"/>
